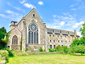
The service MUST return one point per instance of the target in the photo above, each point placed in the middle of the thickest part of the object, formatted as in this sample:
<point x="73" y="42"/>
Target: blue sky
<point x="58" y="14"/>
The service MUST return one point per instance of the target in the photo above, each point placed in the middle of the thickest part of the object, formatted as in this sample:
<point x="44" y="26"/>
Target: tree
<point x="3" y="42"/>
<point x="82" y="30"/>
<point x="75" y="42"/>
<point x="3" y="29"/>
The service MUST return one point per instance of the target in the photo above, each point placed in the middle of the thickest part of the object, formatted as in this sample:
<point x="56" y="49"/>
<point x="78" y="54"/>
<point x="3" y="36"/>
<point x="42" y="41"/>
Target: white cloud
<point x="65" y="13"/>
<point x="17" y="8"/>
<point x="54" y="16"/>
<point x="74" y="9"/>
<point x="29" y="5"/>
<point x="40" y="3"/>
<point x="2" y="15"/>
<point x="12" y="15"/>
<point x="78" y="24"/>
<point x="78" y="0"/>
<point x="22" y="1"/>
<point x="79" y="33"/>
<point x="62" y="23"/>
<point x="11" y="12"/>
<point x="72" y="5"/>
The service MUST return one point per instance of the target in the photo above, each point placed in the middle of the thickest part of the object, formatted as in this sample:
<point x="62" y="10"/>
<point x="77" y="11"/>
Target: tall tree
<point x="82" y="30"/>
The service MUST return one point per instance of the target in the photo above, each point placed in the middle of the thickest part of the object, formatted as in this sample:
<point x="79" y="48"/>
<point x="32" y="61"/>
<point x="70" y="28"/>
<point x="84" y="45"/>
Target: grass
<point x="47" y="59"/>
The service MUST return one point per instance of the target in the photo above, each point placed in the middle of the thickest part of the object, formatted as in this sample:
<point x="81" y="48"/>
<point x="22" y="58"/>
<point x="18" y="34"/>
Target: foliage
<point x="5" y="54"/>
<point x="3" y="42"/>
<point x="3" y="29"/>
<point x="59" y="49"/>
<point x="82" y="30"/>
<point x="65" y="49"/>
<point x="82" y="40"/>
<point x="41" y="50"/>
<point x="77" y="49"/>
<point x="19" y="53"/>
<point x="1" y="35"/>
<point x="75" y="42"/>
<point x="21" y="44"/>
<point x="51" y="50"/>
<point x="10" y="52"/>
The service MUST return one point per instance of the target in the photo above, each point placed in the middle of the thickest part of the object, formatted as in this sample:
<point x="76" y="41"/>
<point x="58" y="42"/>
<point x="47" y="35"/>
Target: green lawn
<point x="47" y="59"/>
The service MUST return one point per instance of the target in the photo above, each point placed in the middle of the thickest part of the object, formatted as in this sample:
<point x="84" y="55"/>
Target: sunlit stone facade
<point x="33" y="34"/>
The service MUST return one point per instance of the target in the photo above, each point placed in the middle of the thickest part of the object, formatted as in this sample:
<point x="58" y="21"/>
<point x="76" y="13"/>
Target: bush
<point x="77" y="49"/>
<point x="10" y="52"/>
<point x="41" y="50"/>
<point x="75" y="42"/>
<point x="4" y="53"/>
<point x="19" y="53"/>
<point x="65" y="49"/>
<point x="59" y="49"/>
<point x="51" y="50"/>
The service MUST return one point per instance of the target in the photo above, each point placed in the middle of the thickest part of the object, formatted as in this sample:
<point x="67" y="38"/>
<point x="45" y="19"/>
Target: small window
<point x="53" y="40"/>
<point x="53" y="35"/>
<point x="58" y="40"/>
<point x="53" y="30"/>
<point x="54" y="46"/>
<point x="50" y="35"/>
<point x="61" y="40"/>
<point x="70" y="45"/>
<point x="66" y="41"/>
<point x="60" y="31"/>
<point x="65" y="36"/>
<point x="61" y="36"/>
<point x="33" y="15"/>
<point x="50" y="40"/>
<point x="51" y="46"/>
<point x="57" y="35"/>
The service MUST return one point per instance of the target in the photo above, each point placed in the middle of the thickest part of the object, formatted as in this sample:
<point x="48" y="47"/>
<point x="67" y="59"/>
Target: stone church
<point x="31" y="33"/>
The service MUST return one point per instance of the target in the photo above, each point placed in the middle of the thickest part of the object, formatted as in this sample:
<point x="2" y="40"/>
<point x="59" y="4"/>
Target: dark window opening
<point x="54" y="40"/>
<point x="51" y="46"/>
<point x="33" y="15"/>
<point x="50" y="40"/>
<point x="54" y="46"/>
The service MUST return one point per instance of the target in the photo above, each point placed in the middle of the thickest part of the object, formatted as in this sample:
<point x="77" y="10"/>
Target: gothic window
<point x="14" y="40"/>
<point x="32" y="34"/>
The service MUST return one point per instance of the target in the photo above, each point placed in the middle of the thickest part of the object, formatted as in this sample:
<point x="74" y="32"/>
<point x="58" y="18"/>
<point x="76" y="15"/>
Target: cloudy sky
<point x="58" y="14"/>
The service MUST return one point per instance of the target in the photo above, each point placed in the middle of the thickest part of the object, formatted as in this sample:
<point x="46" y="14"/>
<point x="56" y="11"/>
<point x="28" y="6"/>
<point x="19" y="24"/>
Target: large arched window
<point x="14" y="40"/>
<point x="32" y="34"/>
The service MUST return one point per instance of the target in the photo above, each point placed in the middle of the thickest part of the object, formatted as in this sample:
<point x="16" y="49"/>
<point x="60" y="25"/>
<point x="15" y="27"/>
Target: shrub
<point x="75" y="42"/>
<point x="51" y="50"/>
<point x="19" y="53"/>
<point x="65" y="49"/>
<point x="5" y="54"/>
<point x="10" y="52"/>
<point x="41" y="50"/>
<point x="59" y="49"/>
<point x="78" y="49"/>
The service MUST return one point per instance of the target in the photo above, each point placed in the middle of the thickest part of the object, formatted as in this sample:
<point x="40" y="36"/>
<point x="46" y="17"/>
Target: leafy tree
<point x="1" y="35"/>
<point x="75" y="42"/>
<point x="3" y="42"/>
<point x="3" y="29"/>
<point x="82" y="30"/>
<point x="82" y="40"/>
